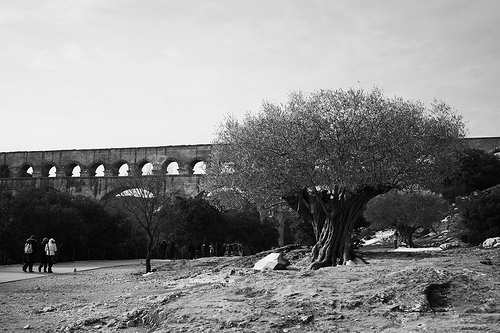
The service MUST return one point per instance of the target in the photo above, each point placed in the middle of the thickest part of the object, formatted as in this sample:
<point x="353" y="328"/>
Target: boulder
<point x="273" y="261"/>
<point x="491" y="242"/>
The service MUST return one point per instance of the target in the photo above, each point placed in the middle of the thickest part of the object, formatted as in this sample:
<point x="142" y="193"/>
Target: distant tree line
<point x="85" y="229"/>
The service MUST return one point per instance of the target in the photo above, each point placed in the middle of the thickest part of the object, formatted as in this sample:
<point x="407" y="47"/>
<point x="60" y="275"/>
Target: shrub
<point x="481" y="213"/>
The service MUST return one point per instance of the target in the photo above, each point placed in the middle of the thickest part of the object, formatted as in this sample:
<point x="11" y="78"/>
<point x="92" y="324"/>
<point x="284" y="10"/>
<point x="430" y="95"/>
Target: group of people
<point x="47" y="250"/>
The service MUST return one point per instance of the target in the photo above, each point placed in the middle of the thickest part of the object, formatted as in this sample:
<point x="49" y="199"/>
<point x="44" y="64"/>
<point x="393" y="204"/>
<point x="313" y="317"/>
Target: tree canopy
<point x="328" y="153"/>
<point x="406" y="211"/>
<point x="481" y="213"/>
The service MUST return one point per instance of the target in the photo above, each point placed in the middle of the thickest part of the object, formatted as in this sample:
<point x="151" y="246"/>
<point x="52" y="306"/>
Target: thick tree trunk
<point x="335" y="244"/>
<point x="333" y="215"/>
<point x="406" y="234"/>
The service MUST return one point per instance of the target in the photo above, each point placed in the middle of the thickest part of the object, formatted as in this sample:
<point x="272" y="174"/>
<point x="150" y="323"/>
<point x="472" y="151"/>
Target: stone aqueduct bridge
<point x="15" y="167"/>
<point x="32" y="168"/>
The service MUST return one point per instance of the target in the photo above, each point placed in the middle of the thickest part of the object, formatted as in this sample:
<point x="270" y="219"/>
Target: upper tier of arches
<point x="116" y="162"/>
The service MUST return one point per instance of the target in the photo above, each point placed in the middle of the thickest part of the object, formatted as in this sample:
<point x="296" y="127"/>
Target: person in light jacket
<point x="50" y="250"/>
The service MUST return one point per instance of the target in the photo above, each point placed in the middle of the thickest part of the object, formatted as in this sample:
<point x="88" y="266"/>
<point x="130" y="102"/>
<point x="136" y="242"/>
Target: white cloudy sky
<point x="126" y="73"/>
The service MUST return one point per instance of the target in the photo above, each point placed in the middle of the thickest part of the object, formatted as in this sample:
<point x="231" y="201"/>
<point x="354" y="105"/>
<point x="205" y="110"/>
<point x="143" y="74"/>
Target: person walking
<point x="172" y="251"/>
<point x="29" y="253"/>
<point x="43" y="255"/>
<point x="51" y="250"/>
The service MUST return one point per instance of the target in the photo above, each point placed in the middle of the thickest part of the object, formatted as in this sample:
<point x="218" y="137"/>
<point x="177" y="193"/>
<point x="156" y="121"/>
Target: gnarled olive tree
<point x="328" y="153"/>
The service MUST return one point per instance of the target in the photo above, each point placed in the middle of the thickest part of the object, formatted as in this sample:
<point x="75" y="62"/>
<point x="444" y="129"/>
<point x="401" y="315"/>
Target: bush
<point x="478" y="170"/>
<point x="481" y="213"/>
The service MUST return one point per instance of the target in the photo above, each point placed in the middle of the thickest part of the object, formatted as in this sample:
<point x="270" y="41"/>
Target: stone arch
<point x="70" y="169"/>
<point x="113" y="193"/>
<point x="48" y="168"/>
<point x="171" y="167"/>
<point x="118" y="167"/>
<point x="4" y="171"/>
<point x="141" y="165"/>
<point x="23" y="171"/>
<point x="197" y="167"/>
<point x="95" y="168"/>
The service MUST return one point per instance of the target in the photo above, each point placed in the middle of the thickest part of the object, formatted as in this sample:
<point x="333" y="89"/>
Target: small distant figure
<point x="29" y="253"/>
<point x="211" y="249"/>
<point x="396" y="236"/>
<point x="172" y="251"/>
<point x="191" y="251"/>
<point x="43" y="255"/>
<point x="51" y="250"/>
<point x="163" y="249"/>
<point x="204" y="250"/>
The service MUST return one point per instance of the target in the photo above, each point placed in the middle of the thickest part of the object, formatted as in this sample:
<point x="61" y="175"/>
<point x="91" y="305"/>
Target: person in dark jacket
<point x="29" y="255"/>
<point x="43" y="255"/>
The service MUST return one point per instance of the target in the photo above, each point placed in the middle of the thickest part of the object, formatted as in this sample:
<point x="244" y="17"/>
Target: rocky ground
<point x="456" y="290"/>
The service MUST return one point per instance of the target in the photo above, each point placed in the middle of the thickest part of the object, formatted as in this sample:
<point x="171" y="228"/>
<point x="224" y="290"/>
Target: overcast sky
<point x="131" y="73"/>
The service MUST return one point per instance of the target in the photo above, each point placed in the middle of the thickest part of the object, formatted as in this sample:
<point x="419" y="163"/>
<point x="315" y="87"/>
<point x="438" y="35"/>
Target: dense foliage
<point x="81" y="226"/>
<point x="406" y="211"/>
<point x="245" y="227"/>
<point x="477" y="170"/>
<point x="130" y="223"/>
<point x="195" y="221"/>
<point x="481" y="214"/>
<point x="328" y="153"/>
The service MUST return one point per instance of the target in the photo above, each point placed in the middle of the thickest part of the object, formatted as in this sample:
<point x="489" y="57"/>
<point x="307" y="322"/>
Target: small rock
<point x="306" y="319"/>
<point x="491" y="243"/>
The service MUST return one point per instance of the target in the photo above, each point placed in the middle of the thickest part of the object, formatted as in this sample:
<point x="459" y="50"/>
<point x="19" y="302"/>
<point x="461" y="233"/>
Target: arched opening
<point x="172" y="168"/>
<point x="4" y="171"/>
<point x="26" y="171"/>
<point x="136" y="192"/>
<point x="49" y="170"/>
<point x="120" y="169"/>
<point x="147" y="169"/>
<point x="199" y="168"/>
<point x="123" y="170"/>
<point x="97" y="170"/>
<point x="73" y="170"/>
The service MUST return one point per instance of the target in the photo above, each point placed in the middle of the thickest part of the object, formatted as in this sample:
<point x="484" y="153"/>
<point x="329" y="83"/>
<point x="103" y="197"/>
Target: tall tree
<point x="146" y="200"/>
<point x="406" y="211"/>
<point x="329" y="152"/>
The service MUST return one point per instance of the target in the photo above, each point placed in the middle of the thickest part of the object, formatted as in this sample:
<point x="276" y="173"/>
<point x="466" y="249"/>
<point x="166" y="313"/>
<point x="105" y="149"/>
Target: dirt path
<point x="450" y="291"/>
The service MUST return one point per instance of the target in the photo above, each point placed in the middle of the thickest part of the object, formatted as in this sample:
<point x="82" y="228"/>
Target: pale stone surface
<point x="272" y="261"/>
<point x="491" y="242"/>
